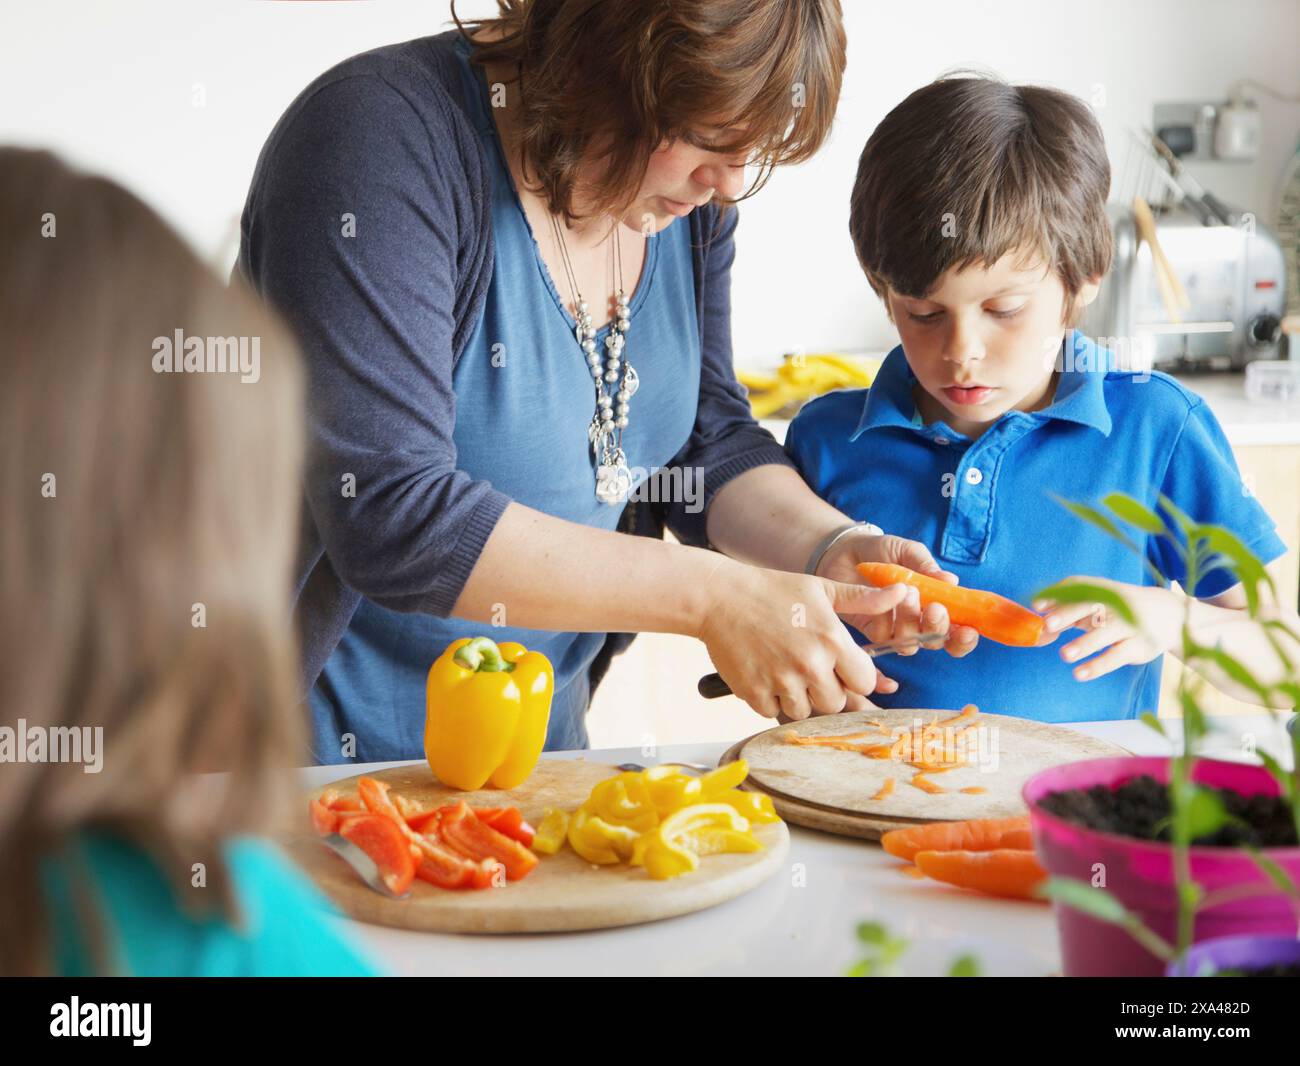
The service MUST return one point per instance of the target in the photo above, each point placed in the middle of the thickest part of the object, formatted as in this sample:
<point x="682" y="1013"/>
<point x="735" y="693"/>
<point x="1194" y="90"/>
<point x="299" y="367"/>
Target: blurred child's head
<point x="145" y="551"/>
<point x="979" y="217"/>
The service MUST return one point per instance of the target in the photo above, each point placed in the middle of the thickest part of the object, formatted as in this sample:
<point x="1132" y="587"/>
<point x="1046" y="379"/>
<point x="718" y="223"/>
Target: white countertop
<point x="1245" y="422"/>
<point x="779" y="928"/>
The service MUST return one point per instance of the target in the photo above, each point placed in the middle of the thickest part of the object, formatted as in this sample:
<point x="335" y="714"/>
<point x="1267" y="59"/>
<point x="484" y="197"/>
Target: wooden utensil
<point x="564" y="892"/>
<point x="1172" y="293"/>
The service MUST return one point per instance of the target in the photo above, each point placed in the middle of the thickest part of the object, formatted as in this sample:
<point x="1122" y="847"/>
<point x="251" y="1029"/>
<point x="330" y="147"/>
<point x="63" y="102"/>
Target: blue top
<point x="525" y="396"/>
<point x="371" y="223"/>
<point x="983" y="509"/>
<point x="285" y="928"/>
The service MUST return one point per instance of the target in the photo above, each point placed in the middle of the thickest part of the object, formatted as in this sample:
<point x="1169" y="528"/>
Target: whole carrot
<point x="1005" y="872"/>
<point x="992" y="616"/>
<point x="974" y="834"/>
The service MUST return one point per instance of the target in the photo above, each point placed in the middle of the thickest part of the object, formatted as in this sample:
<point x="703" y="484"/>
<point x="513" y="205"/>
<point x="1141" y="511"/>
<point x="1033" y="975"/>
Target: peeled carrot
<point x="974" y="834"/>
<point x="992" y="616"/>
<point x="1005" y="872"/>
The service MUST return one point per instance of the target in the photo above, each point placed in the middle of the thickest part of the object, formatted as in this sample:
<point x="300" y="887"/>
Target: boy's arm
<point x="1218" y="621"/>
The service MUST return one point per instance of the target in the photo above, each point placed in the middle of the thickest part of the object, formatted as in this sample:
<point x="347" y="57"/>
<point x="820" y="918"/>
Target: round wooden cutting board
<point x="563" y="893"/>
<point x="832" y="790"/>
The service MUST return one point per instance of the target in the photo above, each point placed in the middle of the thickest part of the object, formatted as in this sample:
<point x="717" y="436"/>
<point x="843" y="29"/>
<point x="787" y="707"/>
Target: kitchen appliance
<point x="1235" y="280"/>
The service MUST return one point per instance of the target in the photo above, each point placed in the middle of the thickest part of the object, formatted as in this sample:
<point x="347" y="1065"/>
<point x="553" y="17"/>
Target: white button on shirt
<point x="974" y="476"/>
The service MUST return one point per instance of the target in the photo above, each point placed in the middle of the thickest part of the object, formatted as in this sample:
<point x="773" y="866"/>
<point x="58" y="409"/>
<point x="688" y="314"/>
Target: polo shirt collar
<point x="1080" y="396"/>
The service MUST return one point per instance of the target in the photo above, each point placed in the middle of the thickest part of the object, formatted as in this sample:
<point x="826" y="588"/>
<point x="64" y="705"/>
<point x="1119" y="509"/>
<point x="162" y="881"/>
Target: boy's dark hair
<point x="968" y="169"/>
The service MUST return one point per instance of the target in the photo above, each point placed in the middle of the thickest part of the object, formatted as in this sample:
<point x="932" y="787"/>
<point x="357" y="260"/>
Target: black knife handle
<point x="711" y="686"/>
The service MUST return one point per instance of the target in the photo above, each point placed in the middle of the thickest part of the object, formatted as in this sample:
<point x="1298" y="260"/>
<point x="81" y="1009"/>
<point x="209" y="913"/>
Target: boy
<point x="979" y="217"/>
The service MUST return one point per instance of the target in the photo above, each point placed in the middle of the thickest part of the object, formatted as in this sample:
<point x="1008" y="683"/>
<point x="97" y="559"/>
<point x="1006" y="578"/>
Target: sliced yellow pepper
<point x="487" y="710"/>
<point x="755" y="806"/>
<point x="624" y="800"/>
<point x="671" y="788"/>
<point x="664" y="819"/>
<point x="551" y="831"/>
<point x="724" y="777"/>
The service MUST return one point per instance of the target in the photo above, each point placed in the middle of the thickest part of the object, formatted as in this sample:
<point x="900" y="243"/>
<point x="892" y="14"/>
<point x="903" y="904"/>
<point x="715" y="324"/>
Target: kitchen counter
<point x="799" y="923"/>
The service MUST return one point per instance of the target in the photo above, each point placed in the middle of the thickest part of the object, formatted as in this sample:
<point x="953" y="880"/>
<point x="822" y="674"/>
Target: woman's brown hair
<point x="145" y="551"/>
<point x="611" y="80"/>
<point x="969" y="169"/>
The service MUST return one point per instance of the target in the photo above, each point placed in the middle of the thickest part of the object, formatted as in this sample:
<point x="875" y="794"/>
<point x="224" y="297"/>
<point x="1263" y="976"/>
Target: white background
<point x="112" y="86"/>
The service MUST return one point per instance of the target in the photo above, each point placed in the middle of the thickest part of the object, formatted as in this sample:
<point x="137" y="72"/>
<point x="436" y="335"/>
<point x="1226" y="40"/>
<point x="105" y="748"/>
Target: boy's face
<point x="984" y="340"/>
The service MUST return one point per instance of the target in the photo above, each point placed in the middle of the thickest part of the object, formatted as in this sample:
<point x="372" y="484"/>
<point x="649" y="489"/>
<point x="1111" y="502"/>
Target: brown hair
<point x="613" y="79"/>
<point x="132" y="497"/>
<point x="968" y="169"/>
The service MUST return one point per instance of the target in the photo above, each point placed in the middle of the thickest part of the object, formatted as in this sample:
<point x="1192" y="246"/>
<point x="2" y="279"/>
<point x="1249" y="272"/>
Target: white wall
<point x="113" y="85"/>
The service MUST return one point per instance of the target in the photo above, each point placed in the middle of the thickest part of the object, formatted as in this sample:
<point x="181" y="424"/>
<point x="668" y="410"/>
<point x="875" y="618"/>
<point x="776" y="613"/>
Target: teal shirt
<point x="286" y="921"/>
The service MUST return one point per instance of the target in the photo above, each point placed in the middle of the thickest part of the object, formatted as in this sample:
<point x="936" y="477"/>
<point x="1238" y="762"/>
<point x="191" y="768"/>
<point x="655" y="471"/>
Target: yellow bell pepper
<point x="487" y="710"/>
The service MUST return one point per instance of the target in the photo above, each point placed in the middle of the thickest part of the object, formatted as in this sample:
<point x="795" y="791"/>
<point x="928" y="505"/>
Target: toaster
<point x="1235" y="281"/>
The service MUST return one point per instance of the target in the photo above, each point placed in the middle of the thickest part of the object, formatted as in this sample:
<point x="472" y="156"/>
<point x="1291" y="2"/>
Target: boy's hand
<point x="906" y="620"/>
<point x="1160" y="617"/>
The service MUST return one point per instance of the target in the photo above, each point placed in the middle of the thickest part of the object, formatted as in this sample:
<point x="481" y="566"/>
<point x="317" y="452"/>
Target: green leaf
<point x="1153" y="722"/>
<point x="1205" y="814"/>
<point x="1079" y="592"/>
<point x="1103" y="522"/>
<point x="1093" y="517"/>
<point x="1282" y="776"/>
<point x="1241" y="561"/>
<point x="1179" y="516"/>
<point x="1234" y="669"/>
<point x="1135" y="514"/>
<point x="1095" y="902"/>
<point x="1275" y="873"/>
<point x="965" y="966"/>
<point x="872" y="933"/>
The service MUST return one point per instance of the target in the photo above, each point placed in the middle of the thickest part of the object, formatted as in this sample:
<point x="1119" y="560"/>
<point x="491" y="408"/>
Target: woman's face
<point x="680" y="177"/>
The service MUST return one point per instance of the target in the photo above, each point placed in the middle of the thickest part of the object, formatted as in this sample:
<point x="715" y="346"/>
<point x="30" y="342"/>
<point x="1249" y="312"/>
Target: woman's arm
<point x="775" y="637"/>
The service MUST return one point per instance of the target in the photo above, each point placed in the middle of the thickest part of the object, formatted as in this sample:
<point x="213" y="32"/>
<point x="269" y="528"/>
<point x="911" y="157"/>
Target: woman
<point x="144" y="558"/>
<point x="477" y="235"/>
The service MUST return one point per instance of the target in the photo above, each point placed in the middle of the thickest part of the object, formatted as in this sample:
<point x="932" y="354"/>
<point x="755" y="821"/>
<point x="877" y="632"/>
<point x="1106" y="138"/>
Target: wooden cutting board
<point x="832" y="790"/>
<point x="563" y="893"/>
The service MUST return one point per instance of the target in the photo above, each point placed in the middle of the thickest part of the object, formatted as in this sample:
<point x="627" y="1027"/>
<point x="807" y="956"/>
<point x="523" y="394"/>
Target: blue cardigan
<point x="367" y="225"/>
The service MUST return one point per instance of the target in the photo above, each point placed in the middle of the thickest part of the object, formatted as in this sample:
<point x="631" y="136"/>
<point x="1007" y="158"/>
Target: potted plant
<point x="1148" y="856"/>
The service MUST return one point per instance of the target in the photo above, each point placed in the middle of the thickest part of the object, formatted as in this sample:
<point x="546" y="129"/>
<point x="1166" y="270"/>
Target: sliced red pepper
<point x="323" y="820"/>
<point x="386" y="845"/>
<point x="424" y="823"/>
<point x="463" y="830"/>
<point x="508" y="820"/>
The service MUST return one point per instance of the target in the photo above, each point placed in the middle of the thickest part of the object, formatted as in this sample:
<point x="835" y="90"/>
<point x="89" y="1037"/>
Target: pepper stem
<point x="483" y="656"/>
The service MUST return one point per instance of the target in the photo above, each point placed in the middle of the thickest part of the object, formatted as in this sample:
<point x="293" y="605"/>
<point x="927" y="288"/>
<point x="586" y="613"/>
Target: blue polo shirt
<point x="982" y="507"/>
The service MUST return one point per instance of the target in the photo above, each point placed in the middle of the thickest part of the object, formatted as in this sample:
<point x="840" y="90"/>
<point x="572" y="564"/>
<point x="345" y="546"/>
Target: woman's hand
<point x="906" y="620"/>
<point x="777" y="639"/>
<point x="1159" y="613"/>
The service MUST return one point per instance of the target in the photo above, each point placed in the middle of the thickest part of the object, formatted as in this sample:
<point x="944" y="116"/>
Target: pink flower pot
<point x="1140" y="873"/>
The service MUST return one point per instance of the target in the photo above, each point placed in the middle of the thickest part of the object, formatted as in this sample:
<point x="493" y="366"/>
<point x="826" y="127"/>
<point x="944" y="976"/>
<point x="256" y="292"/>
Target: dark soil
<point x="1139" y="808"/>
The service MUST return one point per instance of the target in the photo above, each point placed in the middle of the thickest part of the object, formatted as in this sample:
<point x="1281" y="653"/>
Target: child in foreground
<point x="979" y="217"/>
<point x="144" y="556"/>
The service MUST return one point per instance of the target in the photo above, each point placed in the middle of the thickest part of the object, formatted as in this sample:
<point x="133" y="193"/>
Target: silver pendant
<point x="630" y="381"/>
<point x="613" y="480"/>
